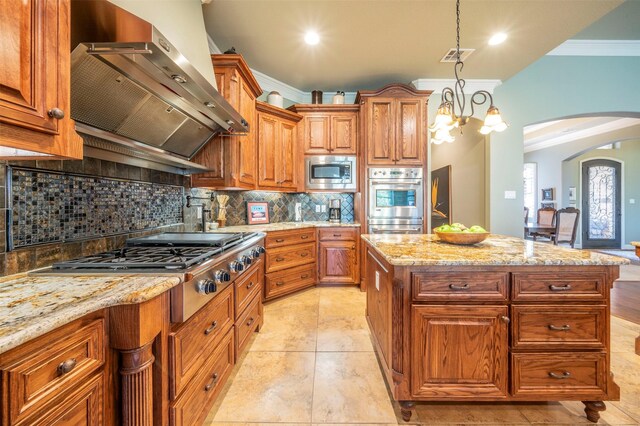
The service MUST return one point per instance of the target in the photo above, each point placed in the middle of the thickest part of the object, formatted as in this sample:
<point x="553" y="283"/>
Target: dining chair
<point x="546" y="217"/>
<point x="566" y="226"/>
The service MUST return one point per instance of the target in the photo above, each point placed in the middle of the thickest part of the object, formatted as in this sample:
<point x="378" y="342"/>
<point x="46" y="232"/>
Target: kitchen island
<point x="503" y="320"/>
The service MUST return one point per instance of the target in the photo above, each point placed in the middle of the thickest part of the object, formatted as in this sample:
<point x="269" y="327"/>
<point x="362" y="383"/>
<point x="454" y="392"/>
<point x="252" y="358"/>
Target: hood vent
<point x="128" y="80"/>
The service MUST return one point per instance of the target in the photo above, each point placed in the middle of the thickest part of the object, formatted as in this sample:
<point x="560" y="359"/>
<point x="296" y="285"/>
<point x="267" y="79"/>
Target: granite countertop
<point x="428" y="250"/>
<point x="32" y="305"/>
<point x="285" y="226"/>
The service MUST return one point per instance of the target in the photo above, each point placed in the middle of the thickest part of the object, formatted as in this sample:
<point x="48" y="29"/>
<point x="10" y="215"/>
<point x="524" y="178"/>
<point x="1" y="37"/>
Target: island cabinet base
<point x="492" y="333"/>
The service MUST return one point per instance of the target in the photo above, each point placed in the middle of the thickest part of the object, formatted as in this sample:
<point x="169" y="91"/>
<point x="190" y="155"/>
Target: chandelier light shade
<point x="451" y="112"/>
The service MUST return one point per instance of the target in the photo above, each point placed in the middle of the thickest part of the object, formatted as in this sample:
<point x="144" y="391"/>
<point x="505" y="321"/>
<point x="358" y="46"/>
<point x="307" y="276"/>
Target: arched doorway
<point x="601" y="203"/>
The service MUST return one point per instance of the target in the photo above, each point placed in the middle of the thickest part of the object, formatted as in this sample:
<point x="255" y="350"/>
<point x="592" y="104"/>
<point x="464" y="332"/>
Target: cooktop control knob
<point x="255" y="253"/>
<point x="245" y="259"/>
<point x="236" y="266"/>
<point x="207" y="286"/>
<point x="221" y="277"/>
<point x="260" y="249"/>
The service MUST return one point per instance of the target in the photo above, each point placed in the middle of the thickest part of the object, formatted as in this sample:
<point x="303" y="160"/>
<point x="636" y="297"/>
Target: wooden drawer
<point x="50" y="366"/>
<point x="287" y="238"/>
<point x="250" y="321"/>
<point x="566" y="286"/>
<point x="191" y="344"/>
<point x="463" y="286"/>
<point x="572" y="375"/>
<point x="338" y="234"/>
<point x="284" y="282"/>
<point x="194" y="404"/>
<point x="288" y="257"/>
<point x="84" y="406"/>
<point x="559" y="327"/>
<point x="248" y="286"/>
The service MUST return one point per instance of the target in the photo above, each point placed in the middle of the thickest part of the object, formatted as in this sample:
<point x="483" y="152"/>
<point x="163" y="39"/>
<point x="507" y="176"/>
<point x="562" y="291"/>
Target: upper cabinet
<point x="277" y="148"/>
<point x="232" y="159"/>
<point x="35" y="81"/>
<point x="395" y="125"/>
<point x="329" y="129"/>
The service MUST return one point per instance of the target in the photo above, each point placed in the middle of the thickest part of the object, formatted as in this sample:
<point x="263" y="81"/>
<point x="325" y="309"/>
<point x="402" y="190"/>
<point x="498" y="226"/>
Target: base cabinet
<point x="338" y="254"/>
<point x="459" y="350"/>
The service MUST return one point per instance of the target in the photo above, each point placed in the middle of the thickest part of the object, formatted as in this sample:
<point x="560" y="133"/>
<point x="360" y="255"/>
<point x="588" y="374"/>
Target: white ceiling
<point x="553" y="133"/>
<point x="369" y="43"/>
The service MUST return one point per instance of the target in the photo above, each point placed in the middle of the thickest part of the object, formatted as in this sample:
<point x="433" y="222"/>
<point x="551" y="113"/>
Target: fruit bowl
<point x="462" y="238"/>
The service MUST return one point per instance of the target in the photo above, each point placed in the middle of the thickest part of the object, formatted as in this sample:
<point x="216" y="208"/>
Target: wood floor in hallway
<point x="313" y="363"/>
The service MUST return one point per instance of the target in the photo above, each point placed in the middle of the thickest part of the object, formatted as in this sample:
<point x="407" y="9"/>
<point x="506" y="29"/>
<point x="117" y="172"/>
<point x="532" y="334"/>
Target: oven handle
<point x="396" y="183"/>
<point x="396" y="229"/>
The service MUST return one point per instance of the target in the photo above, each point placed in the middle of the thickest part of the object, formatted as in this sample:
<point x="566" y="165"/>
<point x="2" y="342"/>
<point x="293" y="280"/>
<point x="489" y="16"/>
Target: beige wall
<point x="182" y="23"/>
<point x="467" y="158"/>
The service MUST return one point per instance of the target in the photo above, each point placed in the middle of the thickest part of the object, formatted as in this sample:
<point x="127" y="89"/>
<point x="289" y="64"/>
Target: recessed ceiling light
<point x="312" y="38"/>
<point x="497" y="39"/>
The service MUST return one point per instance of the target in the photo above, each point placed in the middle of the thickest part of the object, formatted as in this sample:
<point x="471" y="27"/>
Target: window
<point x="530" y="175"/>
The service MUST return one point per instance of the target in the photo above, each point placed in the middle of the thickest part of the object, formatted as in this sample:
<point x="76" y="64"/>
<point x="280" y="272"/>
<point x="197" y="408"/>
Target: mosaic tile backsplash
<point x="52" y="207"/>
<point x="281" y="206"/>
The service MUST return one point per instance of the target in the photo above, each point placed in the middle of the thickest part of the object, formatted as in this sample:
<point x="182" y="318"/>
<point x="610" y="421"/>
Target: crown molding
<point x="597" y="48"/>
<point x="471" y="85"/>
<point x="213" y="47"/>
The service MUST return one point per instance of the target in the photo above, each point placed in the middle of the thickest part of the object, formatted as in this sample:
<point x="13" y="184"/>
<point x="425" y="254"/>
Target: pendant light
<point x="451" y="112"/>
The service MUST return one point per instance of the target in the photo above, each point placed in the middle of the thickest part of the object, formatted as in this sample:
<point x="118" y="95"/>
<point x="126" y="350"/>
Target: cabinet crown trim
<point x="328" y="108"/>
<point x="278" y="112"/>
<point x="238" y="62"/>
<point x="392" y="90"/>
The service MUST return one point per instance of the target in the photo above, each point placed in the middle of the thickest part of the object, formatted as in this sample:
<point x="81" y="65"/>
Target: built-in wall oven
<point x="396" y="202"/>
<point x="331" y="173"/>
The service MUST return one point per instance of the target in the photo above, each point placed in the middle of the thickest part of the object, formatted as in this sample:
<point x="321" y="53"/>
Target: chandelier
<point x="451" y="112"/>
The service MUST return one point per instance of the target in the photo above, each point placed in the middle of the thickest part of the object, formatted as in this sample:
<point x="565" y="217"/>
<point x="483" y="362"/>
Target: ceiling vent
<point x="451" y="55"/>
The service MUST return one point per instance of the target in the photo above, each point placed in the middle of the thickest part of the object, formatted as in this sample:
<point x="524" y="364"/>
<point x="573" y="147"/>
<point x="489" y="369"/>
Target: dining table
<point x="534" y="227"/>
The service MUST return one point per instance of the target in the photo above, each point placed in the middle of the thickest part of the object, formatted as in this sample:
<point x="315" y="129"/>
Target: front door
<point x="601" y="197"/>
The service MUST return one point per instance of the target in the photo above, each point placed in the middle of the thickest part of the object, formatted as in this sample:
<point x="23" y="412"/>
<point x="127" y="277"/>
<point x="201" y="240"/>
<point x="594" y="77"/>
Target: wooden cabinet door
<point x="379" y="305"/>
<point x="316" y="134"/>
<point x="28" y="54"/>
<point x="343" y="134"/>
<point x="83" y="407"/>
<point x="381" y="131"/>
<point x="247" y="144"/>
<point x="409" y="146"/>
<point x="338" y="262"/>
<point x="459" y="351"/>
<point x="268" y="171"/>
<point x="286" y="155"/>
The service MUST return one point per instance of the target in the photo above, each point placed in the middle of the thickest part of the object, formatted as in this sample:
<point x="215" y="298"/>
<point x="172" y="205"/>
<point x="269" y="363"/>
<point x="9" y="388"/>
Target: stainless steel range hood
<point x="128" y="80"/>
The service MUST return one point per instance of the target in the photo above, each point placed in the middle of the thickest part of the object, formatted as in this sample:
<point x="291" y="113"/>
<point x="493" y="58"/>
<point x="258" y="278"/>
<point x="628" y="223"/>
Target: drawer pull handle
<point x="279" y="259"/>
<point x="337" y="235"/>
<point x="305" y="254"/>
<point x="302" y="277"/>
<point x="560" y="287"/>
<point x="251" y="284"/>
<point x="459" y="287"/>
<point x="304" y="237"/>
<point x="279" y="283"/>
<point x="212" y="382"/>
<point x="505" y="319"/>
<point x="251" y="321"/>
<point x="564" y="375"/>
<point x="565" y="327"/>
<point x="66" y="366"/>
<point x="211" y="328"/>
<point x="279" y="240"/>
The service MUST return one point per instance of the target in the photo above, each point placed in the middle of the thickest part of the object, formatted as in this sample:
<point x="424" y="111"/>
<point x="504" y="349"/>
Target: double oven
<point x="396" y="201"/>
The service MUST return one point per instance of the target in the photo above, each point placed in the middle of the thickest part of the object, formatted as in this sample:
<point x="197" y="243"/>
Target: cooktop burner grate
<point x="170" y="258"/>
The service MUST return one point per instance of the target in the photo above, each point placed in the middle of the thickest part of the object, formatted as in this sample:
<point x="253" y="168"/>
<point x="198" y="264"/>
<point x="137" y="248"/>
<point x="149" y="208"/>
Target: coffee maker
<point x="334" y="210"/>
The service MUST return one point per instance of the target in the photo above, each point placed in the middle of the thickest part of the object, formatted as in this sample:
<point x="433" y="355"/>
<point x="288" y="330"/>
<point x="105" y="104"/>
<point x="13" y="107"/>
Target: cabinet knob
<point x="251" y="321"/>
<point x="66" y="366"/>
<point x="56" y="113"/>
<point x="505" y="319"/>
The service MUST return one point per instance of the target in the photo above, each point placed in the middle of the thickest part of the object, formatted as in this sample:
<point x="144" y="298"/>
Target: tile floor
<point x="313" y="363"/>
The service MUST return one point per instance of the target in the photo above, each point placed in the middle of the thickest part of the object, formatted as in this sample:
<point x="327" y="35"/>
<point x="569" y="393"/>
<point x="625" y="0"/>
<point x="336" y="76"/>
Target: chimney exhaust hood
<point x="128" y="80"/>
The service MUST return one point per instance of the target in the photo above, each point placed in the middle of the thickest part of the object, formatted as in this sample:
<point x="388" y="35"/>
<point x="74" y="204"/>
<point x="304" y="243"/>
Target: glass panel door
<point x="601" y="184"/>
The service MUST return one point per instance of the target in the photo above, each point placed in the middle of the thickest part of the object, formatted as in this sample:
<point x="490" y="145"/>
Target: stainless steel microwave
<point x="331" y="173"/>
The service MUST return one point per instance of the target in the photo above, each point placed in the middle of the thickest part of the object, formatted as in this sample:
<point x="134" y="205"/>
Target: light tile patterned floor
<point x="313" y="363"/>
